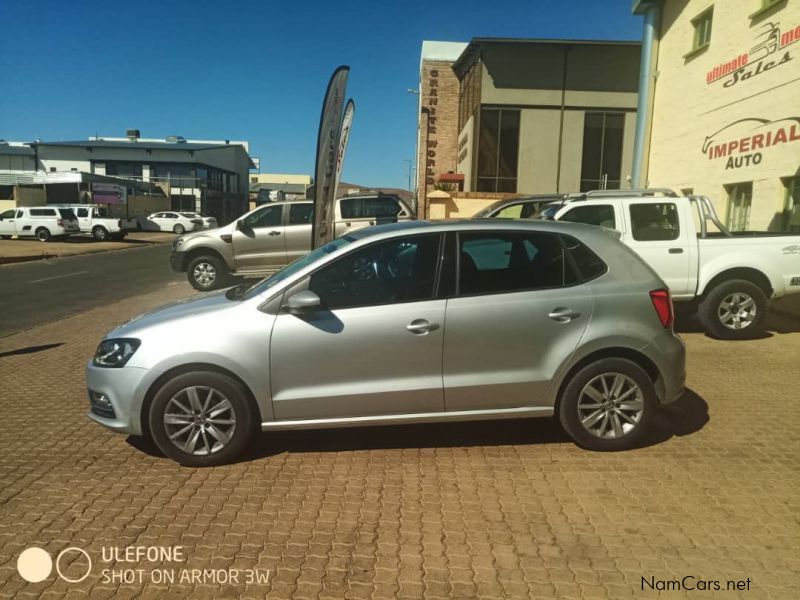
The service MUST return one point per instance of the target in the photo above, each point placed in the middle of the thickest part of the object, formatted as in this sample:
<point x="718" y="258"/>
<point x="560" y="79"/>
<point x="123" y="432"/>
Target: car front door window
<point x="267" y="217"/>
<point x="390" y="272"/>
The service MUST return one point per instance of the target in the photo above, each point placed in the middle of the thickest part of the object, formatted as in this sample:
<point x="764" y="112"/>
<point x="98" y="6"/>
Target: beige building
<point x="518" y="116"/>
<point x="721" y="93"/>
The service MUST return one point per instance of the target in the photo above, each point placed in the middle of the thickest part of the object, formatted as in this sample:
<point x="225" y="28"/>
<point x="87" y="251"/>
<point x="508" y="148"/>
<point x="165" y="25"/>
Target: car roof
<point x="435" y="226"/>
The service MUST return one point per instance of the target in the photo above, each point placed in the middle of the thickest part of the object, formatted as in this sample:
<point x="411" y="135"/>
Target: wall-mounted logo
<point x="768" y="52"/>
<point x="742" y="141"/>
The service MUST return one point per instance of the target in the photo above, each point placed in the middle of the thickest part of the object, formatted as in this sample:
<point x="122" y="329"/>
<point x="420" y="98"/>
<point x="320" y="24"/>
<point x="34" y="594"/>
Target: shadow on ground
<point x="30" y="350"/>
<point x="684" y="417"/>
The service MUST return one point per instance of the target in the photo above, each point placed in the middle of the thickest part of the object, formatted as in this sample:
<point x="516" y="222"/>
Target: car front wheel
<point x="608" y="405"/>
<point x="201" y="419"/>
<point x="207" y="273"/>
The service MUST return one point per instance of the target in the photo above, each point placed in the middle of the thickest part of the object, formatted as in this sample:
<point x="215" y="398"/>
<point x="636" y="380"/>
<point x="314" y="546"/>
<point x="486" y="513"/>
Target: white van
<point x="43" y="222"/>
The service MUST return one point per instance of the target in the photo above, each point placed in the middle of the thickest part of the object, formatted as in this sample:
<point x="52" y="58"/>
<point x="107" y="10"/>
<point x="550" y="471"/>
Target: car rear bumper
<point x="668" y="352"/>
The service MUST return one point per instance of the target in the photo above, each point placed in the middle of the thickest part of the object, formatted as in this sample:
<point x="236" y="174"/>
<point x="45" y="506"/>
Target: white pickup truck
<point x="94" y="219"/>
<point x="730" y="275"/>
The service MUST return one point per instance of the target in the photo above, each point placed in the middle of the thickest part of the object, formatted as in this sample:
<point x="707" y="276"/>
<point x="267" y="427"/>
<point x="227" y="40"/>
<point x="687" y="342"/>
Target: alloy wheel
<point x="610" y="406"/>
<point x="737" y="310"/>
<point x="204" y="274"/>
<point x="199" y="420"/>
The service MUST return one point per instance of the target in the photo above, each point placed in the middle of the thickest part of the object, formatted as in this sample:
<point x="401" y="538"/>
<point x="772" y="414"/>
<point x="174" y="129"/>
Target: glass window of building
<point x="498" y="150"/>
<point x="601" y="165"/>
<point x="702" y="29"/>
<point x="791" y="208"/>
<point x="740" y="199"/>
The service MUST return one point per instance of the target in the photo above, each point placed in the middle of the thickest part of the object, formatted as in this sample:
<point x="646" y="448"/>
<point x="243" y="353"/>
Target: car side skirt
<point x="434" y="417"/>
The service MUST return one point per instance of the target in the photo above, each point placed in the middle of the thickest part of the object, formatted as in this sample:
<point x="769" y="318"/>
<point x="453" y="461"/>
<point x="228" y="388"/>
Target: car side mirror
<point x="303" y="302"/>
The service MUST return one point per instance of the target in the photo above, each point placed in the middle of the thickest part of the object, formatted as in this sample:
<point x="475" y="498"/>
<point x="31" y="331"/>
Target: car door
<point x="258" y="242"/>
<point x="655" y="233"/>
<point x="518" y="313"/>
<point x="297" y="231"/>
<point x="84" y="219"/>
<point x="7" y="220"/>
<point x="375" y="345"/>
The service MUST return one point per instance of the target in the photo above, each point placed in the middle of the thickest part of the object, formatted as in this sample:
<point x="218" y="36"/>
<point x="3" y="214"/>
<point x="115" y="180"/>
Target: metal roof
<point x="17" y="150"/>
<point x="142" y="145"/>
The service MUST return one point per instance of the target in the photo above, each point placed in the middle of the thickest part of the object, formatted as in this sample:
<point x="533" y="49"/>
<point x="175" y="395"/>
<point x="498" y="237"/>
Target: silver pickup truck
<point x="271" y="236"/>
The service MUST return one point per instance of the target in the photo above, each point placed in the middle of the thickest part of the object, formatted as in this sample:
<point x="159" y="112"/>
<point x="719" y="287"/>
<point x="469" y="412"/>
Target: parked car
<point x="173" y="221"/>
<point x="42" y="222"/>
<point x="541" y="318"/>
<point x="271" y="236"/>
<point x="728" y="276"/>
<point x="208" y="222"/>
<point x="517" y="208"/>
<point x="94" y="219"/>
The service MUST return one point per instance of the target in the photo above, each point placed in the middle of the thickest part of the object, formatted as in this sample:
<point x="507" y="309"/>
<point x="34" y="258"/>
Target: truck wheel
<point x="608" y="405"/>
<point x="179" y="229"/>
<point x="734" y="310"/>
<point x="100" y="233"/>
<point x="43" y="234"/>
<point x="207" y="273"/>
<point x="201" y="419"/>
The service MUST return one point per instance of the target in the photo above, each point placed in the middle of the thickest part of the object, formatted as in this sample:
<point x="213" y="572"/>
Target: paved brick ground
<point x="480" y="510"/>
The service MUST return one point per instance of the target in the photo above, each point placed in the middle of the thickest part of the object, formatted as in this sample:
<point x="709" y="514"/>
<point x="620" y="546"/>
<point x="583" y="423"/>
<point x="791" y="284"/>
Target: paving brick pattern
<point x="477" y="510"/>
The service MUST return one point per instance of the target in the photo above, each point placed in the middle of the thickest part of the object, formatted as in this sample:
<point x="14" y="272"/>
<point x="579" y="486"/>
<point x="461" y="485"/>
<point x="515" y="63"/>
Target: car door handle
<point x="274" y="232"/>
<point x="676" y="250"/>
<point x="421" y="327"/>
<point x="563" y="315"/>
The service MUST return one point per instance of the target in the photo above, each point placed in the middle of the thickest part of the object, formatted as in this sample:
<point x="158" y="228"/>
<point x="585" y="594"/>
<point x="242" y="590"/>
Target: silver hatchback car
<point x="404" y="323"/>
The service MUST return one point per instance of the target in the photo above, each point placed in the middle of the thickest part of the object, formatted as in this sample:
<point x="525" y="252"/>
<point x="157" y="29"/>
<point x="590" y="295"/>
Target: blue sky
<point x="253" y="70"/>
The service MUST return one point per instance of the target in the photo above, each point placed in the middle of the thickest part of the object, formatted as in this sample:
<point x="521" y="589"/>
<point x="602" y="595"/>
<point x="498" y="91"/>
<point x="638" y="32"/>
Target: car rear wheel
<point x="179" y="229"/>
<point x="734" y="310"/>
<point x="43" y="234"/>
<point x="201" y="419"/>
<point x="608" y="405"/>
<point x="207" y="273"/>
<point x="100" y="233"/>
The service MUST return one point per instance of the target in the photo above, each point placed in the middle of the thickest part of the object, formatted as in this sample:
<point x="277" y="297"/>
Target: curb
<point x="10" y="260"/>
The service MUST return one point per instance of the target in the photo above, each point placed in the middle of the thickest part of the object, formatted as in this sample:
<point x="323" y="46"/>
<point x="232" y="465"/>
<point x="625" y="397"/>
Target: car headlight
<point x="177" y="243"/>
<point x="115" y="353"/>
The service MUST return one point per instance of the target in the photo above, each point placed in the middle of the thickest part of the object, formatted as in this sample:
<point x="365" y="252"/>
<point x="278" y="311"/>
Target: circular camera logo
<point x="35" y="565"/>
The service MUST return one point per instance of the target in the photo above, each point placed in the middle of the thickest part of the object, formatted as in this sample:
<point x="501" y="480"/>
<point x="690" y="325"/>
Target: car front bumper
<point x="176" y="260"/>
<point x="125" y="389"/>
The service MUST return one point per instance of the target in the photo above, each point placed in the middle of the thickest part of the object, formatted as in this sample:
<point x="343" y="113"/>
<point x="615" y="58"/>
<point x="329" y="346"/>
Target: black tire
<point x="43" y="234"/>
<point x="570" y="415"/>
<point x="179" y="229"/>
<point x="99" y="233"/>
<point x="206" y="273"/>
<point x="711" y="315"/>
<point x="240" y="411"/>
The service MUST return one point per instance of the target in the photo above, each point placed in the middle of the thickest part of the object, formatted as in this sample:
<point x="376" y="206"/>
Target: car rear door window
<point x="387" y="272"/>
<point x="502" y="262"/>
<point x="83" y="212"/>
<point x="655" y="221"/>
<point x="591" y="214"/>
<point x="301" y="214"/>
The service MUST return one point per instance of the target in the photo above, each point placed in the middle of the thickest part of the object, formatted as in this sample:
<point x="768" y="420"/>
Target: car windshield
<point x="296" y="266"/>
<point x="549" y="211"/>
<point x="486" y="212"/>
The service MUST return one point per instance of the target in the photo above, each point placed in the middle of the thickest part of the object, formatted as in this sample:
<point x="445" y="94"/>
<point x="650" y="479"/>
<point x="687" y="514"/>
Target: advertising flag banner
<point x="347" y="122"/>
<point x="330" y="124"/>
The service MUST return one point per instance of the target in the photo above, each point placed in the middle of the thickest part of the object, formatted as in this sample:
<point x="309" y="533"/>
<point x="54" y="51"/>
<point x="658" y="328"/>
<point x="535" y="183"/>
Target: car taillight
<point x="662" y="302"/>
<point x="60" y="222"/>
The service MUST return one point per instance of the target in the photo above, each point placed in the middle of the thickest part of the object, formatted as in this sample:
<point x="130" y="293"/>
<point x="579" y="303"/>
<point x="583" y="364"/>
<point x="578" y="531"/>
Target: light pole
<point x="410" y="162"/>
<point x="427" y="112"/>
<point x="416" y="150"/>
